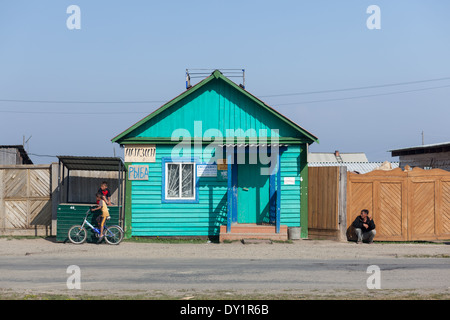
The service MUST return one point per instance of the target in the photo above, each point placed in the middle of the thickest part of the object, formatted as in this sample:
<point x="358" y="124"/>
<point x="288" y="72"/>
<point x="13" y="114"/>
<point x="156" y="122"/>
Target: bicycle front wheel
<point x="113" y="234"/>
<point x="77" y="234"/>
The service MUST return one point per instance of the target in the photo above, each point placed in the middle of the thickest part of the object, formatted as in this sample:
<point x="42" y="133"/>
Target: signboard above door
<point x="140" y="153"/>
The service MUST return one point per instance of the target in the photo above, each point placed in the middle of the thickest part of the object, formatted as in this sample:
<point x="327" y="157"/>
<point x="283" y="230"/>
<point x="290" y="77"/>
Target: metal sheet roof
<point x="361" y="167"/>
<point x="424" y="146"/>
<point x="253" y="145"/>
<point x="330" y="157"/>
<point x="92" y="163"/>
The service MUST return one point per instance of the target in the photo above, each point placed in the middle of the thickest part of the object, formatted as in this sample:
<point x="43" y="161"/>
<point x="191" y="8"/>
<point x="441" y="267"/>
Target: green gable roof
<point x="234" y="108"/>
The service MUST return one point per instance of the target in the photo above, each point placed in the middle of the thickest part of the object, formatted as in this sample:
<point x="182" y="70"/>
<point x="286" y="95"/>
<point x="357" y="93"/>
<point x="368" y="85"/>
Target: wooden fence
<point x="25" y="199"/>
<point x="327" y="202"/>
<point x="30" y="195"/>
<point x="405" y="205"/>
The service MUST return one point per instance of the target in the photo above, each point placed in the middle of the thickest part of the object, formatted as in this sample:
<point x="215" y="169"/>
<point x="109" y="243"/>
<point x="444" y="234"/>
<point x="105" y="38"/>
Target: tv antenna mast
<point x="203" y="73"/>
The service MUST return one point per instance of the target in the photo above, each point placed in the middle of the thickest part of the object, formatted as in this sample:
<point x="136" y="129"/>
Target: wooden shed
<point x="216" y="161"/>
<point x="14" y="155"/>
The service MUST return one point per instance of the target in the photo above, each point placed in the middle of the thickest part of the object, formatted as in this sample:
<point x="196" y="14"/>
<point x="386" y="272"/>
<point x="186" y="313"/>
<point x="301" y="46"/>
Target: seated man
<point x="364" y="227"/>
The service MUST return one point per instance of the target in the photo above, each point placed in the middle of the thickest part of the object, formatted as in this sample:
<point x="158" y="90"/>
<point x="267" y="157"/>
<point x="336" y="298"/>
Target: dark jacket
<point x="358" y="223"/>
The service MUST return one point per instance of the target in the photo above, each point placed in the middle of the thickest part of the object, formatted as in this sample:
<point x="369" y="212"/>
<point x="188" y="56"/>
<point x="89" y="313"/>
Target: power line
<point x="279" y="104"/>
<point x="354" y="88"/>
<point x="29" y="153"/>
<point x="81" y="102"/>
<point x="261" y="96"/>
<point x="363" y="96"/>
<point x="74" y="113"/>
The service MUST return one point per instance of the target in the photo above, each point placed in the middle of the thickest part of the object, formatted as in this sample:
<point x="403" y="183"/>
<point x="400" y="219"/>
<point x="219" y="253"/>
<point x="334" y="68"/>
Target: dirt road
<point x="305" y="268"/>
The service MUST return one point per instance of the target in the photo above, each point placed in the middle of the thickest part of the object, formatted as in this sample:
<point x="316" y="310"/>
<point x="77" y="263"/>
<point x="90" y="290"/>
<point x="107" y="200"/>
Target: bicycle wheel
<point x="113" y="234"/>
<point x="77" y="234"/>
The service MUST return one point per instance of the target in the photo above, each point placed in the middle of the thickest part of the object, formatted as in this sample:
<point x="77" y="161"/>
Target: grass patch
<point x="410" y="242"/>
<point x="170" y="240"/>
<point x="427" y="256"/>
<point x="283" y="241"/>
<point x="236" y="295"/>
<point x="23" y="237"/>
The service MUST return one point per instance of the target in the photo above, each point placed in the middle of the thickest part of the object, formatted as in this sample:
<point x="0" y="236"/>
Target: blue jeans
<point x="369" y="235"/>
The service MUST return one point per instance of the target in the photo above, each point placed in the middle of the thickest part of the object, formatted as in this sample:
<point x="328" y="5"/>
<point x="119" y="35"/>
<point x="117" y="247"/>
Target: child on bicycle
<point x="106" y="194"/>
<point x="105" y="213"/>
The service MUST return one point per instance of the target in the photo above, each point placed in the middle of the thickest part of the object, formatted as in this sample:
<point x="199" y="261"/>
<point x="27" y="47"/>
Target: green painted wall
<point x="217" y="105"/>
<point x="69" y="215"/>
<point x="304" y="191"/>
<point x="231" y="110"/>
<point x="151" y="217"/>
<point x="290" y="194"/>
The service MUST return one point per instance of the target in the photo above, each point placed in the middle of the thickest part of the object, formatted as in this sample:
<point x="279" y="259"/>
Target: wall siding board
<point x="151" y="217"/>
<point x="216" y="93"/>
<point x="217" y="105"/>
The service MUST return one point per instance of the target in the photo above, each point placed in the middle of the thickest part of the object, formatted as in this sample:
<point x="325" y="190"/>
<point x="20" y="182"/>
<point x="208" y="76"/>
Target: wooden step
<point x="253" y="231"/>
<point x="253" y="228"/>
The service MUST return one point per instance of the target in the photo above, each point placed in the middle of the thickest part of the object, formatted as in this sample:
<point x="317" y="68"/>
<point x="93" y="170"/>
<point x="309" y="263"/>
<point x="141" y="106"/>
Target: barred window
<point x="180" y="182"/>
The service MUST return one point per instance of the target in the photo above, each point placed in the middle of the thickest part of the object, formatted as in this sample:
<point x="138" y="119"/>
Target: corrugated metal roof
<point x="360" y="167"/>
<point x="91" y="163"/>
<point x="330" y="157"/>
<point x="252" y="145"/>
<point x="442" y="144"/>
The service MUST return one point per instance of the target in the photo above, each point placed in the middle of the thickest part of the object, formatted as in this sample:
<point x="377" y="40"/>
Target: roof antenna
<point x="202" y="73"/>
<point x="188" y="80"/>
<point x="25" y="142"/>
<point x="243" y="79"/>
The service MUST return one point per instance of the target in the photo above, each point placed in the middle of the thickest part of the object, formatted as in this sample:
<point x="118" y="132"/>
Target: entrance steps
<point x="253" y="231"/>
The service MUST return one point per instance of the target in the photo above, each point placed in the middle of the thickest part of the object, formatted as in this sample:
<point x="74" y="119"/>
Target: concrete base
<point x="253" y="231"/>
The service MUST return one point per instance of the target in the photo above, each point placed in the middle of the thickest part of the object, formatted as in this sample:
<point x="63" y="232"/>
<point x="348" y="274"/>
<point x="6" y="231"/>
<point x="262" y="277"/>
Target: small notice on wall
<point x="222" y="164"/>
<point x="289" y="180"/>
<point x="222" y="170"/>
<point x="140" y="153"/>
<point x="207" y="170"/>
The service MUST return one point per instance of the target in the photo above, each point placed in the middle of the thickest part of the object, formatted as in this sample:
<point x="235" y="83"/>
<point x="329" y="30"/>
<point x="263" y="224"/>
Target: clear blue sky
<point x="139" y="50"/>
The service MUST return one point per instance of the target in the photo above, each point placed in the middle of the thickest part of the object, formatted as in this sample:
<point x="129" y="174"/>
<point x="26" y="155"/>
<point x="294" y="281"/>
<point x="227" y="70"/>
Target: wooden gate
<point x="25" y="199"/>
<point x="405" y="205"/>
<point x="327" y="202"/>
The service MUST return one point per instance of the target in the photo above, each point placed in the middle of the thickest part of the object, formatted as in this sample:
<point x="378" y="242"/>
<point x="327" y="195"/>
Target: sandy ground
<point x="307" y="249"/>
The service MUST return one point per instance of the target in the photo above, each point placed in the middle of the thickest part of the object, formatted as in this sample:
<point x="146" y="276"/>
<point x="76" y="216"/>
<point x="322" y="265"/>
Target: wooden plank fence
<point x="30" y="195"/>
<point x="405" y="205"/>
<point x="25" y="200"/>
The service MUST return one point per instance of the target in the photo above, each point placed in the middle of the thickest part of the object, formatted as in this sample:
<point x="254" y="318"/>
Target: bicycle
<point x="77" y="234"/>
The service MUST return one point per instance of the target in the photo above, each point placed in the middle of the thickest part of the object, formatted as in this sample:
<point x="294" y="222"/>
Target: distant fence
<point x="405" y="205"/>
<point x="25" y="199"/>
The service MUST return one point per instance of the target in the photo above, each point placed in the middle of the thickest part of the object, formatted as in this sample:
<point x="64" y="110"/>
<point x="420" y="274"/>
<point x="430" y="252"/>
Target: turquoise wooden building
<point x="216" y="161"/>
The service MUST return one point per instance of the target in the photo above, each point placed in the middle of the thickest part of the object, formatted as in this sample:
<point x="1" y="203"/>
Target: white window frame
<point x="194" y="175"/>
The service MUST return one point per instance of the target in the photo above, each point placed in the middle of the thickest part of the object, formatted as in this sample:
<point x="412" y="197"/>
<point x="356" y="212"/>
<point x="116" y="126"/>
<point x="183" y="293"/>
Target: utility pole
<point x="423" y="140"/>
